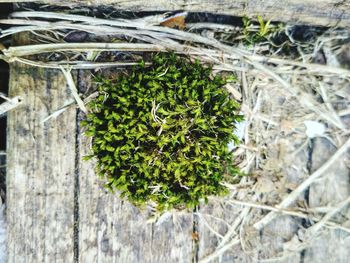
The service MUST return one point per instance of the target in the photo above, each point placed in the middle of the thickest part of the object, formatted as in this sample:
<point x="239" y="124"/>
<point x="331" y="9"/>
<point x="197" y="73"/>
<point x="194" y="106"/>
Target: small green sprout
<point x="253" y="36"/>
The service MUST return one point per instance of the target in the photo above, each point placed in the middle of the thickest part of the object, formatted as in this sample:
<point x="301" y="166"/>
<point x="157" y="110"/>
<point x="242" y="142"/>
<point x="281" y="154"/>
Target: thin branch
<point x="73" y="88"/>
<point x="74" y="64"/>
<point x="328" y="224"/>
<point x="27" y="50"/>
<point x="10" y="104"/>
<point x="303" y="186"/>
<point x="316" y="227"/>
<point x="218" y="252"/>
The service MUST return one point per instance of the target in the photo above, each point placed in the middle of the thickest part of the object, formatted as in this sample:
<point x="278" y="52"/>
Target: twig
<point x="74" y="64"/>
<point x="58" y="112"/>
<point x="304" y="98"/>
<point x="232" y="230"/>
<point x="302" y="187"/>
<point x="10" y="104"/>
<point x="329" y="224"/>
<point x="73" y="88"/>
<point x="105" y="24"/>
<point x="211" y="26"/>
<point x="27" y="50"/>
<point x="316" y="227"/>
<point x="218" y="252"/>
<point x="208" y="226"/>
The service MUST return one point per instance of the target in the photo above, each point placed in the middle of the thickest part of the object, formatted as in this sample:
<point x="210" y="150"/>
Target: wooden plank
<point x="112" y="230"/>
<point x="284" y="167"/>
<point x="40" y="171"/>
<point x="313" y="12"/>
<point x="330" y="190"/>
<point x="221" y="218"/>
<point x="214" y="222"/>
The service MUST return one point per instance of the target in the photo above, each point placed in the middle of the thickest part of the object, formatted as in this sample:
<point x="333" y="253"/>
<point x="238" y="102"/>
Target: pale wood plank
<point x="314" y="12"/>
<point x="112" y="230"/>
<point x="330" y="190"/>
<point x="269" y="243"/>
<point x="219" y="217"/>
<point x="252" y="246"/>
<point x="40" y="174"/>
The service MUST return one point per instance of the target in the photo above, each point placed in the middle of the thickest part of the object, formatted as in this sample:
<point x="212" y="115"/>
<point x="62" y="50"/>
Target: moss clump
<point x="160" y="133"/>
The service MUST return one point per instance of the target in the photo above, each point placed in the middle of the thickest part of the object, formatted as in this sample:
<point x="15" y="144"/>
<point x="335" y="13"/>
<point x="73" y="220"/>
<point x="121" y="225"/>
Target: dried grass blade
<point x="302" y="187"/>
<point x="78" y="47"/>
<point x="10" y="104"/>
<point x="316" y="227"/>
<point x="73" y="88"/>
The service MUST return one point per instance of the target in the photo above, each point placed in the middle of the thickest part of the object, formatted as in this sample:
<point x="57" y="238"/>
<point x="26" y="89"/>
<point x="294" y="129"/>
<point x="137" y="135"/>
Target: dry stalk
<point x="263" y="78"/>
<point x="302" y="214"/>
<point x="323" y="222"/>
<point x="205" y="222"/>
<point x="28" y="50"/>
<point x="302" y="187"/>
<point x="218" y="252"/>
<point x="71" y="84"/>
<point x="74" y="64"/>
<point x="9" y="104"/>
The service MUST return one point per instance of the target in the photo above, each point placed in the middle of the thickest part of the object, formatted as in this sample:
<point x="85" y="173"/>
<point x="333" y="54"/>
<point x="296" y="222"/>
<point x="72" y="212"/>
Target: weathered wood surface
<point x="314" y="12"/>
<point x="329" y="191"/>
<point x="57" y="210"/>
<point x="40" y="169"/>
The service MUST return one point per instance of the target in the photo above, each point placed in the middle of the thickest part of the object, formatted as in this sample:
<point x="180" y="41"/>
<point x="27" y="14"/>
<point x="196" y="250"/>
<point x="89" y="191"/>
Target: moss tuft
<point x="161" y="133"/>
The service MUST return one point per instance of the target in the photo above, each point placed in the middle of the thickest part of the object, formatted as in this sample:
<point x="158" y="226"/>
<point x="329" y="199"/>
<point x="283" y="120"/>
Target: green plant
<point x="160" y="133"/>
<point x="253" y="36"/>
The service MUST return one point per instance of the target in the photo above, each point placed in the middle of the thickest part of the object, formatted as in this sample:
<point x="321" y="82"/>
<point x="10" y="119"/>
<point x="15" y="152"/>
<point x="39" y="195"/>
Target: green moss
<point x="160" y="133"/>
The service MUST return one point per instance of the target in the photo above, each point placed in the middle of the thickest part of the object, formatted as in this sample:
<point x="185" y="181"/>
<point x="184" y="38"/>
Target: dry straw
<point x="278" y="94"/>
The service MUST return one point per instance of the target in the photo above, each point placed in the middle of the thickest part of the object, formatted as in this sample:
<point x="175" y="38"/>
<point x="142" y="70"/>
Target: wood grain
<point x="45" y="221"/>
<point x="313" y="12"/>
<point x="40" y="173"/>
<point x="219" y="217"/>
<point x="329" y="191"/>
